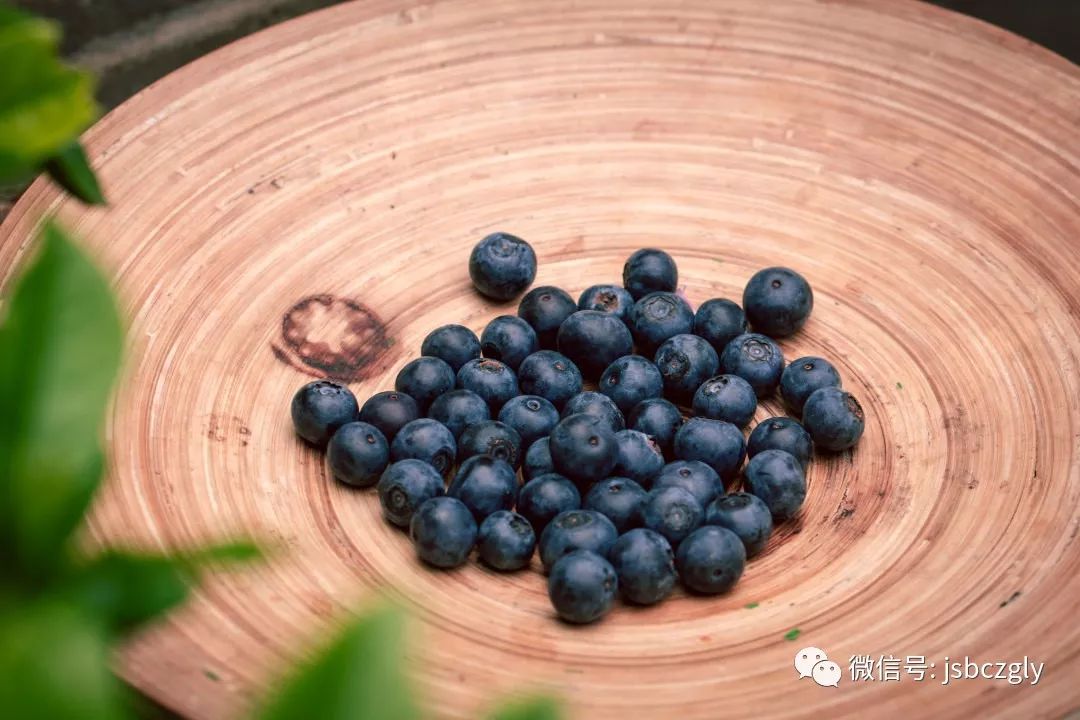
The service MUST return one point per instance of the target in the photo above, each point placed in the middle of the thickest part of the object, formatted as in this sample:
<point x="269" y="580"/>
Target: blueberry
<point x="550" y="375"/>
<point x="594" y="340"/>
<point x="645" y="566"/>
<point x="405" y="486"/>
<point x="389" y="411"/>
<point x="485" y="484"/>
<point x="802" y="377"/>
<point x="777" y="478"/>
<point x="509" y="339"/>
<point x="659" y="418"/>
<point x="599" y="406"/>
<point x="746" y="516"/>
<point x="719" y="321"/>
<point x="619" y="499"/>
<point x="685" y="361"/>
<point x="532" y="416"/>
<point x="490" y="379"/>
<point x="718" y="444"/>
<point x="777" y="301"/>
<point x="493" y="438"/>
<point x="649" y="270"/>
<point x="443" y="531"/>
<point x="781" y="433"/>
<point x="726" y="397"/>
<point x="583" y="448"/>
<point x="358" y="453"/>
<point x="545" y="308"/>
<point x="638" y="456"/>
<point x="694" y="476"/>
<point x="453" y="344"/>
<point x="582" y="587"/>
<point x="544" y="497"/>
<point x="607" y="298"/>
<point x="506" y="541"/>
<point x="427" y="440"/>
<point x="711" y="560"/>
<point x="631" y="379"/>
<point x="756" y="359"/>
<point x="502" y="266"/>
<point x="576" y="530"/>
<point x="425" y="379"/>
<point x="320" y="408"/>
<point x="538" y="460"/>
<point x="834" y="418"/>
<point x="673" y="512"/>
<point x="458" y="409"/>
<point x="658" y="316"/>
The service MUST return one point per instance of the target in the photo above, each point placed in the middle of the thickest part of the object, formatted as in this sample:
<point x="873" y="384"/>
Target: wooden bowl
<point x="303" y="203"/>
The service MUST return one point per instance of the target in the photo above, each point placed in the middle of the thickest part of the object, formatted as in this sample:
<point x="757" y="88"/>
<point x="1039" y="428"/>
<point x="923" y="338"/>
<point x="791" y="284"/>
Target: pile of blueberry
<point x="621" y="492"/>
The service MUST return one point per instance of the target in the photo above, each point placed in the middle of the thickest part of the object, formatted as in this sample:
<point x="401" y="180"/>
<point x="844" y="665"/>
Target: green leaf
<point x="60" y="348"/>
<point x="224" y="554"/>
<point x="538" y="707"/>
<point x="359" y="675"/>
<point x="70" y="169"/>
<point x="792" y="634"/>
<point x="127" y="590"/>
<point x="54" y="665"/>
<point x="43" y="102"/>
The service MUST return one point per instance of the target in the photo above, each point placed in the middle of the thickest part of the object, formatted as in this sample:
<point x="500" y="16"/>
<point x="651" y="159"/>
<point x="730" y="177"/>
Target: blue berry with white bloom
<point x="755" y="358"/>
<point x="454" y="344"/>
<point x="485" y="484"/>
<point x="506" y="541"/>
<point x="320" y="408"/>
<point x="645" y="565"/>
<point x="630" y="380"/>
<point x="685" y="362"/>
<point x="777" y="478"/>
<point x="744" y="514"/>
<point x="607" y="298"/>
<point x="502" y="266"/>
<point x="711" y="560"/>
<point x="834" y="419"/>
<point x="781" y="433"/>
<point x="443" y="532"/>
<point x="619" y="499"/>
<point x="358" y="454"/>
<point x="545" y="496"/>
<point x="638" y="457"/>
<point x="405" y="486"/>
<point x="576" y="530"/>
<point x="532" y="416"/>
<point x="508" y="339"/>
<point x="726" y="397"/>
<point x="582" y="587"/>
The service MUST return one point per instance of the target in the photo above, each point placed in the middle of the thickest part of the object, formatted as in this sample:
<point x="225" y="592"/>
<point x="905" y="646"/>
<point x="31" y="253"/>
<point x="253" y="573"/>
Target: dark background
<point x="131" y="43"/>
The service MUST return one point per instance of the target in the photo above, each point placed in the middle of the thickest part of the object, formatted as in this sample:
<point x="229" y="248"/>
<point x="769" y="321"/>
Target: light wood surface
<point x="920" y="168"/>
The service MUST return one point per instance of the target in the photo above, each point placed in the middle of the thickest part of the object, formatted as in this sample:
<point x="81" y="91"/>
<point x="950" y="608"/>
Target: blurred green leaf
<point x="537" y="707"/>
<point x="223" y="554"/>
<point x="43" y="103"/>
<point x="359" y="675"/>
<point x="60" y="346"/>
<point x="70" y="169"/>
<point x="126" y="590"/>
<point x="54" y="665"/>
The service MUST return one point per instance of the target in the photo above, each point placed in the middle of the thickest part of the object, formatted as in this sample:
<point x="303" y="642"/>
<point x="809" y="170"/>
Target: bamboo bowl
<point x="303" y="201"/>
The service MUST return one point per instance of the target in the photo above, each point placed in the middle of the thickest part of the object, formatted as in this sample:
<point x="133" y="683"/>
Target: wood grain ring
<point x="920" y="168"/>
